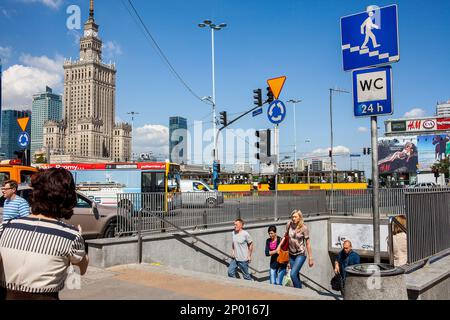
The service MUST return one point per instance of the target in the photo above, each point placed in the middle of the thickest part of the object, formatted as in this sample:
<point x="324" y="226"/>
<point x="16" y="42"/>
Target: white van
<point x="198" y="193"/>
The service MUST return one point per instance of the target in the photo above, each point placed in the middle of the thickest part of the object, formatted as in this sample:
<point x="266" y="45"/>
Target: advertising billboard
<point x="432" y="149"/>
<point x="397" y="154"/>
<point x="421" y="125"/>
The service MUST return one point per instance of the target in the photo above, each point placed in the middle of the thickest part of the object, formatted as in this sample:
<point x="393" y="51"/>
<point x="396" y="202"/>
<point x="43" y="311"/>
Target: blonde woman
<point x="299" y="245"/>
<point x="400" y="243"/>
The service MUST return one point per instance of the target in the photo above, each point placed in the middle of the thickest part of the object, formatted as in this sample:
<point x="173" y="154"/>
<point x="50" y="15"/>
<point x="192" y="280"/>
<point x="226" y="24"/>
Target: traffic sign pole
<point x="276" y="138"/>
<point x="375" y="190"/>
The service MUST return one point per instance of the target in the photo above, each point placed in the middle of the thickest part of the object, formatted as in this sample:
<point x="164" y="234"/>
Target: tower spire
<point x="91" y="10"/>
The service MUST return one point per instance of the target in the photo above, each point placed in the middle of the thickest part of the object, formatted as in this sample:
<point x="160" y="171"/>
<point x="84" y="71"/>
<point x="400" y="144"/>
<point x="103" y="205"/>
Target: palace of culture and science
<point x="88" y="132"/>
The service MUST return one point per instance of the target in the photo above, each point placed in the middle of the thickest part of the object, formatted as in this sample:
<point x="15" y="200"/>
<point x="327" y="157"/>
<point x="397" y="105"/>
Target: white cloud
<point x="153" y="138"/>
<point x="53" y="4"/>
<point x="363" y="129"/>
<point x="336" y="150"/>
<point x="20" y="82"/>
<point x="415" y="113"/>
<point x="111" y="49"/>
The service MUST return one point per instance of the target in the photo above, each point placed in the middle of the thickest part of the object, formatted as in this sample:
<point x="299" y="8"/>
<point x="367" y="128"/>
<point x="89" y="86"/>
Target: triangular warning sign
<point x="276" y="85"/>
<point x="23" y="122"/>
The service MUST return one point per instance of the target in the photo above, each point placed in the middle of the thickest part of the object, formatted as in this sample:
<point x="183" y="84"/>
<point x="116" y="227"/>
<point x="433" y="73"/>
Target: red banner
<point x="107" y="166"/>
<point x="443" y="124"/>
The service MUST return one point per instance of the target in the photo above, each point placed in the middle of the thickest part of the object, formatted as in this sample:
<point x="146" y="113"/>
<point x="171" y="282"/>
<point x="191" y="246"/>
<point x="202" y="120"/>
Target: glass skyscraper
<point x="11" y="131"/>
<point x="46" y="106"/>
<point x="177" y="136"/>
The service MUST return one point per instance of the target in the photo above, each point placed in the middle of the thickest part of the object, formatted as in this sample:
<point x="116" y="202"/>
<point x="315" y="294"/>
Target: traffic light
<point x="330" y="153"/>
<point x="263" y="145"/>
<point x="269" y="95"/>
<point x="368" y="150"/>
<point x="216" y="165"/>
<point x="223" y="118"/>
<point x="258" y="97"/>
<point x="364" y="151"/>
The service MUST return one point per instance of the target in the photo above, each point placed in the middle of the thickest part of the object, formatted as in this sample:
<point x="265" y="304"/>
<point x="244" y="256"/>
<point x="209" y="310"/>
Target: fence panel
<point x="428" y="223"/>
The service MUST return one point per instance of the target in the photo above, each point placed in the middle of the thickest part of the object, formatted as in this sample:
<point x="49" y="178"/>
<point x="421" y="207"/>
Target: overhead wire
<point x="159" y="51"/>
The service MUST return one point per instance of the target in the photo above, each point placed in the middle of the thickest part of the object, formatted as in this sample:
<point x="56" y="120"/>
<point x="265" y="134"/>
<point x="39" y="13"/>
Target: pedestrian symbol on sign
<point x="368" y="25"/>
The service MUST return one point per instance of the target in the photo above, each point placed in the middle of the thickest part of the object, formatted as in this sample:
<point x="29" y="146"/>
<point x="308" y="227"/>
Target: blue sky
<point x="263" y="39"/>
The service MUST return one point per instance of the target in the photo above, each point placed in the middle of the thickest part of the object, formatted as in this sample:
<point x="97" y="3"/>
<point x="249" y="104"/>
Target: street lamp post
<point x="293" y="101"/>
<point x="213" y="28"/>
<point x="331" y="144"/>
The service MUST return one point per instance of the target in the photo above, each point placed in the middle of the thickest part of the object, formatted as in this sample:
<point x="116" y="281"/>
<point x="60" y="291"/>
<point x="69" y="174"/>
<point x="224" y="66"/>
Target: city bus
<point x="102" y="182"/>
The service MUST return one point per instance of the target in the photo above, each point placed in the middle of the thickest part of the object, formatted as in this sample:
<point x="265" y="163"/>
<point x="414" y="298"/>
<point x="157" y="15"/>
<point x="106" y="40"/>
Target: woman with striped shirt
<point x="37" y="250"/>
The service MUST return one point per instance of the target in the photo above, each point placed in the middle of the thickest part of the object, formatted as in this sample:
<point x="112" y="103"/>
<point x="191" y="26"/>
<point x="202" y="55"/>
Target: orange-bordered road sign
<point x="276" y="85"/>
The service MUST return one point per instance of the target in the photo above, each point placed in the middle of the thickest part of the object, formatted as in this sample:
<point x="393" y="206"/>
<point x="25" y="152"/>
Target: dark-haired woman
<point x="36" y="251"/>
<point x="277" y="270"/>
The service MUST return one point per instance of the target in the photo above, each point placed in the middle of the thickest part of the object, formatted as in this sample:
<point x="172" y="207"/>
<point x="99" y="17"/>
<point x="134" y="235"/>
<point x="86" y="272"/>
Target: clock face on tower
<point x="94" y="33"/>
<point x="87" y="33"/>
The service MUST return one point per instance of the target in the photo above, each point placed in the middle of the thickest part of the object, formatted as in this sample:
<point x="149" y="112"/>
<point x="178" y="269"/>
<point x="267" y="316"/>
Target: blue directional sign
<point x="372" y="92"/>
<point x="257" y="112"/>
<point x="370" y="38"/>
<point x="276" y="112"/>
<point x="24" y="140"/>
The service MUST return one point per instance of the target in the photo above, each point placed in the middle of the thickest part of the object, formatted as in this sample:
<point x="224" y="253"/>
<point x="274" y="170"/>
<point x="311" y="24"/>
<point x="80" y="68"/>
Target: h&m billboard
<point x="397" y="154"/>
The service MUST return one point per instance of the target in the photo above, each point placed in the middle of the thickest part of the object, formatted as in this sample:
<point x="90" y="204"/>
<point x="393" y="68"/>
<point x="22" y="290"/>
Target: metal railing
<point x="204" y="209"/>
<point x="428" y="224"/>
<point x="359" y="202"/>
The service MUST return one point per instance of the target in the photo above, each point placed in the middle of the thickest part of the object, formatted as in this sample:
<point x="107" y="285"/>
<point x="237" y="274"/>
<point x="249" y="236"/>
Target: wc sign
<point x="372" y="92"/>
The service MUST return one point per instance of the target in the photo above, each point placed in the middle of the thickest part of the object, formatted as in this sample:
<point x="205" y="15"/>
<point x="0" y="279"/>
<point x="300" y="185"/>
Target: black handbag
<point x="337" y="282"/>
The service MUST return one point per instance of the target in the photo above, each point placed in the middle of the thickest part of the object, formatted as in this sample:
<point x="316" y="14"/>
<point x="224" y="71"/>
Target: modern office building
<point x="178" y="139"/>
<point x="316" y="165"/>
<point x="46" y="106"/>
<point x="11" y="131"/>
<point x="90" y="132"/>
<point x="443" y="109"/>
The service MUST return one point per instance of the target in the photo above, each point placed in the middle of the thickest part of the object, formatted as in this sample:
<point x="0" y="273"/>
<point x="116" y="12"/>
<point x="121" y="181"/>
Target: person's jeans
<point x="296" y="263"/>
<point x="281" y="274"/>
<point x="243" y="266"/>
<point x="277" y="275"/>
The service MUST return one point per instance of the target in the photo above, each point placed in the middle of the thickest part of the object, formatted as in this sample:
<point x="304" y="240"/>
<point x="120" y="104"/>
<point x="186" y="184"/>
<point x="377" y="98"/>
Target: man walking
<point x="15" y="206"/>
<point x="242" y="249"/>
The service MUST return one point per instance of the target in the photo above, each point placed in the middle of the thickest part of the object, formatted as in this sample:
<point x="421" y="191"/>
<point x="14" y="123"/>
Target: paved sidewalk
<point x="157" y="282"/>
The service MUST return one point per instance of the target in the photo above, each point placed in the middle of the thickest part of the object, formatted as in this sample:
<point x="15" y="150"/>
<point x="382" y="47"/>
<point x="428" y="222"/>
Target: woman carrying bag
<point x="277" y="269"/>
<point x="299" y="245"/>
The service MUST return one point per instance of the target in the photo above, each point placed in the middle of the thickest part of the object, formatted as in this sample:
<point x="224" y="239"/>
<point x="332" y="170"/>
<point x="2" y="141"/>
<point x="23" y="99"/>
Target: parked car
<point x="97" y="221"/>
<point x="198" y="193"/>
<point x="424" y="185"/>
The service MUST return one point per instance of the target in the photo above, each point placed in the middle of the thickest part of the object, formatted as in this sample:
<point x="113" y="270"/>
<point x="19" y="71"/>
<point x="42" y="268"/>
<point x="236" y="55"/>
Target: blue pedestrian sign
<point x="276" y="112"/>
<point x="257" y="112"/>
<point x="24" y="140"/>
<point x="372" y="92"/>
<point x="370" y="38"/>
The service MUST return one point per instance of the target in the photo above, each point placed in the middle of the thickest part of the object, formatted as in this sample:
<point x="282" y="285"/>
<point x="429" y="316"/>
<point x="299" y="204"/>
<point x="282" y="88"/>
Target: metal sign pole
<point x="276" y="171"/>
<point x="375" y="195"/>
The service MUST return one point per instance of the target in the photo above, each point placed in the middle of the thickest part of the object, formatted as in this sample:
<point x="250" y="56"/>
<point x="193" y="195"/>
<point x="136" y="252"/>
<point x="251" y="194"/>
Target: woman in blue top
<point x="277" y="270"/>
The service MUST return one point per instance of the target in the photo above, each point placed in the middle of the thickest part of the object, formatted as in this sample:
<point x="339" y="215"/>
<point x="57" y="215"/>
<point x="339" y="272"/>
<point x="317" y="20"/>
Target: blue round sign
<point x="276" y="112"/>
<point x="24" y="140"/>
